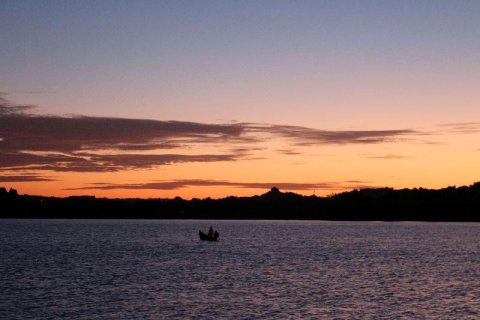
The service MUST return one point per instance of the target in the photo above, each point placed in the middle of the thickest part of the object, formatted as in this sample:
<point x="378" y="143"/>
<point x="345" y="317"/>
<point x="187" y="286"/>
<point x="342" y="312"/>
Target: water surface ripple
<point x="103" y="269"/>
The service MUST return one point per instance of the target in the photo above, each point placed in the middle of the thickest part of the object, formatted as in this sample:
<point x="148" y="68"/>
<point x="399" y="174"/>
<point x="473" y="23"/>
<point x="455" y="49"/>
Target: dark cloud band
<point x="178" y="184"/>
<point x="99" y="144"/>
<point x="24" y="178"/>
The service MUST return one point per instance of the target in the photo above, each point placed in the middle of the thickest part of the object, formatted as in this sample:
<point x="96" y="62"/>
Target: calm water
<point x="97" y="269"/>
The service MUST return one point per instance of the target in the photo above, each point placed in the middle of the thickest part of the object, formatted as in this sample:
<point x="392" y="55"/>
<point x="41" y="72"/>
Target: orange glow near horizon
<point x="213" y="98"/>
<point x="401" y="164"/>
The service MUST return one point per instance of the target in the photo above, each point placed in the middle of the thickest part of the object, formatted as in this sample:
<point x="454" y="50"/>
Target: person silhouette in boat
<point x="210" y="232"/>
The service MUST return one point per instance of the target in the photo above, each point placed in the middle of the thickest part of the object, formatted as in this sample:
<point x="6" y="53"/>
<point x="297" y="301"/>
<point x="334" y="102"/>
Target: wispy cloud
<point x="102" y="163"/>
<point x="461" y="127"/>
<point x="388" y="157"/>
<point x="288" y="152"/>
<point x="7" y="108"/>
<point x="24" y="178"/>
<point x="20" y="132"/>
<point x="178" y="184"/>
<point x="308" y="136"/>
<point x="93" y="144"/>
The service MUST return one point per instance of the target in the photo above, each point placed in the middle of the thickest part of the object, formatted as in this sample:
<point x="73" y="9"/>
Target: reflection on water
<point x="97" y="269"/>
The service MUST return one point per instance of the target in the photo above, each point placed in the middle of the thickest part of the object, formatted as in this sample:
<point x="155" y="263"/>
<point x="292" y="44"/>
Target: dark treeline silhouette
<point x="385" y="204"/>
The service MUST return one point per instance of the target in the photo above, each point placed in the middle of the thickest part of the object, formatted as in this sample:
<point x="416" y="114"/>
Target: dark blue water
<point x="97" y="269"/>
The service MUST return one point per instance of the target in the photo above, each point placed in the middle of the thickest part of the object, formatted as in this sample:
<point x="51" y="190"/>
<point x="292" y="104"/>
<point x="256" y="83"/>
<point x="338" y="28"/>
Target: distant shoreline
<point x="451" y="204"/>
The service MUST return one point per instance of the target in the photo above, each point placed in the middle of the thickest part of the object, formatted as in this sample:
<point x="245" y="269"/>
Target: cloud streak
<point x="462" y="127"/>
<point x="100" y="144"/>
<point x="178" y="184"/>
<point x="102" y="163"/>
<point x="388" y="157"/>
<point x="308" y="136"/>
<point x="39" y="133"/>
<point x="6" y="108"/>
<point x="24" y="178"/>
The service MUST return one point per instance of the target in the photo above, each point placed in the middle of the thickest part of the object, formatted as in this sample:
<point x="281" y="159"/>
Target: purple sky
<point x="381" y="92"/>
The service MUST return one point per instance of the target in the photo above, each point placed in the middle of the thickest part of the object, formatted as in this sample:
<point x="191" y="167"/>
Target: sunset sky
<point x="217" y="98"/>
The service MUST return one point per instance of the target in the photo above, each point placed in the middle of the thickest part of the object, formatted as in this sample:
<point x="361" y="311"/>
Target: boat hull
<point x="205" y="237"/>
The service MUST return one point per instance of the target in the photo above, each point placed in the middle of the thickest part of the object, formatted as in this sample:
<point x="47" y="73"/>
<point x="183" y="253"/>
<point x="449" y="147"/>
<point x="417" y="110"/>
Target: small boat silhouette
<point x="204" y="236"/>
